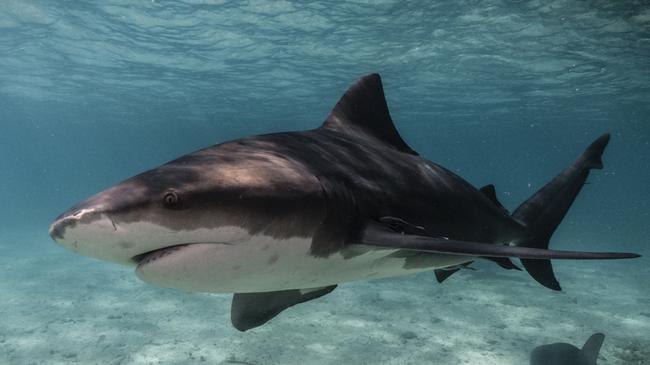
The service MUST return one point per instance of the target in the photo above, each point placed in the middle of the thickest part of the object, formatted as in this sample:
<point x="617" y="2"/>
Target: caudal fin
<point x="544" y="211"/>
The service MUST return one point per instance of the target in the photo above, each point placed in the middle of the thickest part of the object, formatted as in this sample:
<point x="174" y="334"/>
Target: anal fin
<point x="250" y="310"/>
<point x="444" y="274"/>
<point x="504" y="262"/>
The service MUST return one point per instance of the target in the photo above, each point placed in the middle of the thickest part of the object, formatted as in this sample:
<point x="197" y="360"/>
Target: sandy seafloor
<point x="59" y="308"/>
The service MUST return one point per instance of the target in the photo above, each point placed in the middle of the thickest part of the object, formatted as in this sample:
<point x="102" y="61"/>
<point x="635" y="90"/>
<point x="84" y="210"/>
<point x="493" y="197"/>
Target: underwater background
<point x="502" y="92"/>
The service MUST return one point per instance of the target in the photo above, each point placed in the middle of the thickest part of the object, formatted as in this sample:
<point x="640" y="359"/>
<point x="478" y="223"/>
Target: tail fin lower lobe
<point x="544" y="211"/>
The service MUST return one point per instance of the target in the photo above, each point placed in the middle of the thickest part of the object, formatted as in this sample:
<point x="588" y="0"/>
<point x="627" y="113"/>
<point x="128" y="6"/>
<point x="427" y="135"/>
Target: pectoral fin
<point x="377" y="234"/>
<point x="250" y="310"/>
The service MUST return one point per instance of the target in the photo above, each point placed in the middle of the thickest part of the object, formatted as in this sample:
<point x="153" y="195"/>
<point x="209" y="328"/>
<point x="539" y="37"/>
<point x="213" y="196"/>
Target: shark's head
<point x="220" y="195"/>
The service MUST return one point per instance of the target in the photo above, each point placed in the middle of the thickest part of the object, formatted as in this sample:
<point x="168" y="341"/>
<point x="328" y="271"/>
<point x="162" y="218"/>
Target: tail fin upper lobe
<point x="544" y="211"/>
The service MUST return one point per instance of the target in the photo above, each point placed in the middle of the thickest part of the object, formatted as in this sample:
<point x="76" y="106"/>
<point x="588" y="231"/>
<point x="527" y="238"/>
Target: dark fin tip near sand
<point x="442" y="274"/>
<point x="591" y="348"/>
<point x="561" y="353"/>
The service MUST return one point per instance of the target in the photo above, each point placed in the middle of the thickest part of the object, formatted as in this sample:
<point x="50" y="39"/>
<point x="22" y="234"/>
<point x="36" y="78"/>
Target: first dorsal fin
<point x="363" y="108"/>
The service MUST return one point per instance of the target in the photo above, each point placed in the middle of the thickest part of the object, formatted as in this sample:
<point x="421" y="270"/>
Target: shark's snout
<point x="58" y="227"/>
<point x="84" y="228"/>
<point x="70" y="219"/>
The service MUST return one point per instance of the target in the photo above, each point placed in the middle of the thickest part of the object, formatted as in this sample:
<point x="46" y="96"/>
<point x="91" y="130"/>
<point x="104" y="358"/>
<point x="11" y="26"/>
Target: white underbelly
<point x="266" y="264"/>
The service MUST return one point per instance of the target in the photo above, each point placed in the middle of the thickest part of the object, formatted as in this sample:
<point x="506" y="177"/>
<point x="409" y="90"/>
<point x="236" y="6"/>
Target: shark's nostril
<point x="73" y="217"/>
<point x="57" y="229"/>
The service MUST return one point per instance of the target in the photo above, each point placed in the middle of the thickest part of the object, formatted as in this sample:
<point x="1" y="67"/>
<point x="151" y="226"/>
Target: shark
<point x="566" y="354"/>
<point x="283" y="218"/>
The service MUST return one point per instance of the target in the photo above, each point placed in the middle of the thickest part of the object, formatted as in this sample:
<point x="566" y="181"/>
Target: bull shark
<point x="280" y="219"/>
<point x="566" y="354"/>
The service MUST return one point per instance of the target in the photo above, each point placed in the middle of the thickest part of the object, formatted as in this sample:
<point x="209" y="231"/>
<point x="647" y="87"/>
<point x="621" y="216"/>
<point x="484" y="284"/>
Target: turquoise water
<point x="503" y="92"/>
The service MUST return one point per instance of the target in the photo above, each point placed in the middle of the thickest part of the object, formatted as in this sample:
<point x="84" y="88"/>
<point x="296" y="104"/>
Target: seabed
<point x="59" y="308"/>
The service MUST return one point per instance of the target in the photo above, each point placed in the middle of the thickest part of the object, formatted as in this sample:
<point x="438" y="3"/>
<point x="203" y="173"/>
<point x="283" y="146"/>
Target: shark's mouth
<point x="150" y="256"/>
<point x="153" y="255"/>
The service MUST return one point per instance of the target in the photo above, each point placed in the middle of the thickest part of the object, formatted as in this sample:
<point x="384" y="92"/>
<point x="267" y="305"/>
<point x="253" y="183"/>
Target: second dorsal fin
<point x="363" y="109"/>
<point x="490" y="192"/>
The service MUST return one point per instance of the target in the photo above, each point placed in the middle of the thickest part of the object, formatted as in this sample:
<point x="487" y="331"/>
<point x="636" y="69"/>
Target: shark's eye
<point x="170" y="199"/>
